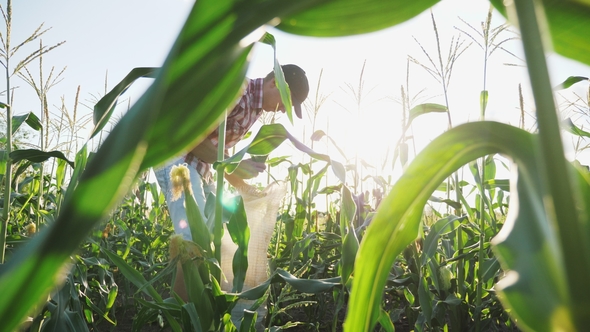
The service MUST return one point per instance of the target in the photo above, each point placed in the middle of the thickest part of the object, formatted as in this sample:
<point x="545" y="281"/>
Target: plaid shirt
<point x="247" y="110"/>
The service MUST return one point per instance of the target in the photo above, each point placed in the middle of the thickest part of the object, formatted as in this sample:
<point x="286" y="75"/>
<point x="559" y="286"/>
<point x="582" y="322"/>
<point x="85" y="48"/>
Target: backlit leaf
<point x="38" y="156"/>
<point x="106" y="105"/>
<point x="569" y="24"/>
<point x="483" y="100"/>
<point x="570" y="81"/>
<point x="572" y="128"/>
<point x="425" y="109"/>
<point x="348" y="17"/>
<point x="397" y="220"/>
<point x="30" y="118"/>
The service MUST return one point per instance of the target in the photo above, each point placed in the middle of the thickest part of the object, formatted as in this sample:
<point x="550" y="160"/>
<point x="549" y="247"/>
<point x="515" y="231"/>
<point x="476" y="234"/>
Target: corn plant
<point x="7" y="54"/>
<point x="202" y="75"/>
<point x="546" y="227"/>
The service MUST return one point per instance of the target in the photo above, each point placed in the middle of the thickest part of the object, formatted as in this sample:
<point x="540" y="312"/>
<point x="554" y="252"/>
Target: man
<point x="260" y="94"/>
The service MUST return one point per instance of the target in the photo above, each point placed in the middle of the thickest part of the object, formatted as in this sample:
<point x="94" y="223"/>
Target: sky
<point x="106" y="39"/>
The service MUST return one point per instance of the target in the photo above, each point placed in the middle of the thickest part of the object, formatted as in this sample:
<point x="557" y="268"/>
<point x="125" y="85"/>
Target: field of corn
<point x="452" y="244"/>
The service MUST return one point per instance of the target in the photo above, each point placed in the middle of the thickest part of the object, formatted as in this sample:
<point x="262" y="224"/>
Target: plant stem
<point x="482" y="221"/>
<point x="43" y="99"/>
<point x="8" y="175"/>
<point x="218" y="229"/>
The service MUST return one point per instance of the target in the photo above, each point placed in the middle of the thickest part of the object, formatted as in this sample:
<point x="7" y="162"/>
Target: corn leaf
<point x="191" y="318"/>
<point x="572" y="128"/>
<point x="349" y="17"/>
<point x="397" y="220"/>
<point x="425" y="109"/>
<point x="240" y="234"/>
<point x="503" y="184"/>
<point x="281" y="84"/>
<point x="528" y="245"/>
<point x="563" y="204"/>
<point x="268" y="138"/>
<point x="385" y="321"/>
<point x="38" y="156"/>
<point x="200" y="77"/>
<point x="440" y="227"/>
<point x="347" y="210"/>
<point x="568" y="23"/>
<point x="350" y="243"/>
<point x="30" y="118"/>
<point x="66" y="321"/>
<point x="105" y="106"/>
<point x="570" y="81"/>
<point x="219" y="60"/>
<point x="249" y="321"/>
<point x="310" y="286"/>
<point x="60" y="173"/>
<point x="425" y="297"/>
<point x="199" y="230"/>
<point x="138" y="280"/>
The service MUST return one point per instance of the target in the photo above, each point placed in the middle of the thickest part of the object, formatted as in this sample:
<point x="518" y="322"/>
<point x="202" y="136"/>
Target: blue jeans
<point x="176" y="208"/>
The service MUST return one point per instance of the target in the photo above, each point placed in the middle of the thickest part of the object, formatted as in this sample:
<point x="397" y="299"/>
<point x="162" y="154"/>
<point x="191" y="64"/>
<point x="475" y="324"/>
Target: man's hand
<point x="242" y="186"/>
<point x="235" y="181"/>
<point x="248" y="169"/>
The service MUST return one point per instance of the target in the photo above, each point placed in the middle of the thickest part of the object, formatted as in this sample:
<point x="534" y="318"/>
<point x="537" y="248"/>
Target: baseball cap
<point x="295" y="77"/>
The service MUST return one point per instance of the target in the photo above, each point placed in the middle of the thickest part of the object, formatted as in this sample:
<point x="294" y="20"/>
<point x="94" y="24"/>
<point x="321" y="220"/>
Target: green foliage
<point x="567" y="25"/>
<point x="105" y="106"/>
<point x="443" y="281"/>
<point x="560" y="233"/>
<point x="396" y="225"/>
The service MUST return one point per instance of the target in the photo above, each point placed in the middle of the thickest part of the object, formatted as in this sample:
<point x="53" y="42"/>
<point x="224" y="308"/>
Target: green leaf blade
<point x="396" y="223"/>
<point x="350" y="17"/>
<point x="425" y="109"/>
<point x="568" y="24"/>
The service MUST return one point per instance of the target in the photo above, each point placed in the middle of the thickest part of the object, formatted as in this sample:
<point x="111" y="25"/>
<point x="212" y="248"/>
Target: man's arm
<point x="247" y="168"/>
<point x="205" y="151"/>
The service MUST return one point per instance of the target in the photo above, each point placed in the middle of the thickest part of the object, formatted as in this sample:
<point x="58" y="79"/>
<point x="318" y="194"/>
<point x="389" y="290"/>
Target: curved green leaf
<point x="190" y="317"/>
<point x="449" y="202"/>
<point x="569" y="23"/>
<point x="106" y="105"/>
<point x="535" y="290"/>
<point x="350" y="243"/>
<point x="425" y="109"/>
<point x="503" y="184"/>
<point x="38" y="156"/>
<point x="309" y="286"/>
<point x="317" y="135"/>
<point x="572" y="128"/>
<point x="349" y="17"/>
<point x="214" y="49"/>
<point x="201" y="76"/>
<point x="138" y="280"/>
<point x="268" y="138"/>
<point x="483" y="101"/>
<point x="30" y="118"/>
<point x="199" y="79"/>
<point x="240" y="234"/>
<point x="397" y="220"/>
<point x="570" y="81"/>
<point x="440" y="227"/>
<point x="282" y="85"/>
<point x="564" y="206"/>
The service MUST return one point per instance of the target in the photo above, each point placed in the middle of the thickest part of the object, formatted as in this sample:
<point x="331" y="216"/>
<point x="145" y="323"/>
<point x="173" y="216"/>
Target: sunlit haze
<point x="106" y="39"/>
